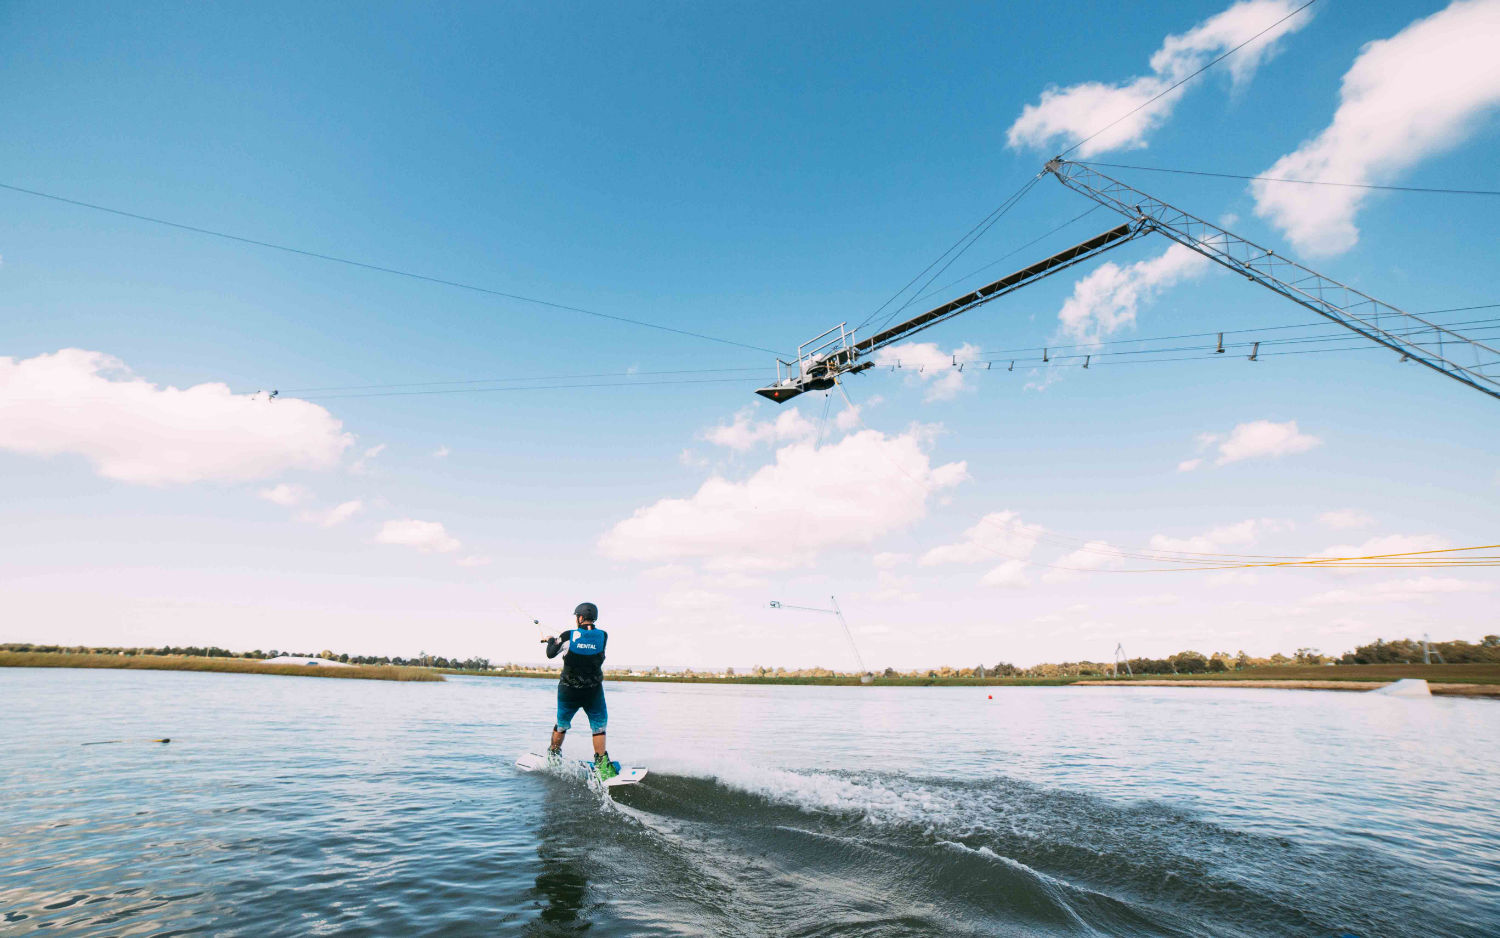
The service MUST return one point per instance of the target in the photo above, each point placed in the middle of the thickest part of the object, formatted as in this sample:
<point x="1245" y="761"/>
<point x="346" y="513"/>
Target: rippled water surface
<point x="290" y="806"/>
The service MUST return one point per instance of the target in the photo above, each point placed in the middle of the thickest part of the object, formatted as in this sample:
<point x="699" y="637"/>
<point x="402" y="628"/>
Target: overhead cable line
<point x="426" y="384"/>
<point x="1409" y="559"/>
<point x="990" y="357"/>
<point x="1098" y="360"/>
<point x="379" y="268"/>
<point x="1203" y="358"/>
<point x="1197" y="561"/>
<point x="984" y="223"/>
<point x="1440" y="349"/>
<point x="1252" y="329"/>
<point x="979" y="270"/>
<point x="1182" y="81"/>
<point x="1035" y="531"/>
<point x="1485" y="328"/>
<point x="1300" y="182"/>
<point x="539" y="387"/>
<point x="1094" y="347"/>
<point x="1208" y="353"/>
<point x="1001" y="213"/>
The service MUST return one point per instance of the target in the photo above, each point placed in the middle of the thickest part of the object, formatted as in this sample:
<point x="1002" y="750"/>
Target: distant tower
<point x="1427" y="651"/>
<point x="1121" y="659"/>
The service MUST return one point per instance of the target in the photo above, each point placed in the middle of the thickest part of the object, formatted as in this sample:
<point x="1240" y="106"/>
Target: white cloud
<point x="745" y="433"/>
<point x="693" y="601"/>
<point x="1395" y="591"/>
<point x="1067" y="115"/>
<point x="1095" y="555"/>
<point x="1262" y="438"/>
<point x="851" y="417"/>
<point x="1233" y="578"/>
<point x="1406" y="98"/>
<point x="361" y="466"/>
<point x="668" y="571"/>
<point x="1105" y="301"/>
<point x="1241" y="534"/>
<point x="473" y="560"/>
<point x="442" y="452"/>
<point x="285" y="494"/>
<point x="1346" y="518"/>
<point x="89" y="404"/>
<point x="925" y="363"/>
<point x="334" y="516"/>
<point x="1387" y="544"/>
<point x="732" y="580"/>
<point x="998" y="534"/>
<point x="807" y="501"/>
<point x="426" y="536"/>
<point x="1257" y="439"/>
<point x="1156" y="599"/>
<point x="886" y="560"/>
<point x="1009" y="575"/>
<point x="1346" y="624"/>
<point x="893" y="588"/>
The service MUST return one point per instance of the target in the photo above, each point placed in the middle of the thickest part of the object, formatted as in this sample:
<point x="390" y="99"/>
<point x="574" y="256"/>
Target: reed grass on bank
<point x="1478" y="674"/>
<point x="17" y="659"/>
<point x="836" y="680"/>
<point x="1487" y="673"/>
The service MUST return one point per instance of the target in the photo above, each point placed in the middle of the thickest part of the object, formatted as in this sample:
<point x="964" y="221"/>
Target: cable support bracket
<point x="1458" y="356"/>
<point x="821" y="360"/>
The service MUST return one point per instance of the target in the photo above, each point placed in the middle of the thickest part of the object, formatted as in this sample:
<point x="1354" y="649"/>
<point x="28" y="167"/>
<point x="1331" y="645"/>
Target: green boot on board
<point x="606" y="769"/>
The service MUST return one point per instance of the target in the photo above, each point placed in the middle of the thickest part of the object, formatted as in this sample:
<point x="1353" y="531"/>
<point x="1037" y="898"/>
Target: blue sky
<point x="753" y="174"/>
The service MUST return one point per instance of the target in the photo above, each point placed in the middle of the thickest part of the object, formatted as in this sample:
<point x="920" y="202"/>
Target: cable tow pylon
<point x="820" y="361"/>
<point x="1443" y="350"/>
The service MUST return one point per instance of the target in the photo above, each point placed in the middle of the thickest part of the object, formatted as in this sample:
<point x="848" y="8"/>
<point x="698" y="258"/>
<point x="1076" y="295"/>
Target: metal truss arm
<point x="1457" y="356"/>
<point x="820" y="361"/>
<point x="1062" y="260"/>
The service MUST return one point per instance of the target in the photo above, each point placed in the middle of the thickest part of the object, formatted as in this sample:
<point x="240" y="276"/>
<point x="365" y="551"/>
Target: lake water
<point x="297" y="806"/>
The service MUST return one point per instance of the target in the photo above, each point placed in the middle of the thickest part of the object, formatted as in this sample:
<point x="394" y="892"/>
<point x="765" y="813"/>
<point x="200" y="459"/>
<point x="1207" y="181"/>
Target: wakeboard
<point x="629" y="774"/>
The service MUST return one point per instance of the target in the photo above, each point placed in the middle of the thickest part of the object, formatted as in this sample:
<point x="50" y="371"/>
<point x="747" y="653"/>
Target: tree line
<point x="1380" y="651"/>
<point x="423" y="660"/>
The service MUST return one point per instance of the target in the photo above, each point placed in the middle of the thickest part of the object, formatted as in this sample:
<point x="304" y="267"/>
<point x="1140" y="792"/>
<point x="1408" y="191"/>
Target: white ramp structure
<point x="1406" y="687"/>
<point x="310" y="662"/>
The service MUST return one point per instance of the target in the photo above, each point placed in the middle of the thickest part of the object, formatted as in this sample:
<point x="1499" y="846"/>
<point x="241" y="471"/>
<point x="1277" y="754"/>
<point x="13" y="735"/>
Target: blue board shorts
<point x="591" y="700"/>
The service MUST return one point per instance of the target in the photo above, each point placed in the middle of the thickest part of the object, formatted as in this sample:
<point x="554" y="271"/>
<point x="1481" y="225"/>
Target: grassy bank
<point x="1437" y="688"/>
<point x="1438" y="673"/>
<point x="14" y="659"/>
<point x="837" y="680"/>
<point x="1481" y="679"/>
<point x="1472" y="675"/>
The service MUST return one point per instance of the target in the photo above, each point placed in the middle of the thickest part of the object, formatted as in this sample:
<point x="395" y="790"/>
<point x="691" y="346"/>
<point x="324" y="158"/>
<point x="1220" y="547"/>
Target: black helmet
<point x="589" y="611"/>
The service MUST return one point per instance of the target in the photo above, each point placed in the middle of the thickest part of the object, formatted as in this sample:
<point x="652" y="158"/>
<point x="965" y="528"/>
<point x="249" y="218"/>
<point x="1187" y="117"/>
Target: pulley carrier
<point x="822" y="360"/>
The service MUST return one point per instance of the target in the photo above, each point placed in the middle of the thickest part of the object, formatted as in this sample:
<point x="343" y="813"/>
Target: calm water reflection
<point x="302" y="806"/>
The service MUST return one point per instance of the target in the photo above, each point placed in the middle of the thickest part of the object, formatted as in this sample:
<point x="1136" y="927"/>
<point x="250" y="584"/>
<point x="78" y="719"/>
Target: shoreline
<point x="1483" y="680"/>
<point x="30" y="659"/>
<point x="1465" y="680"/>
<point x="1438" y="689"/>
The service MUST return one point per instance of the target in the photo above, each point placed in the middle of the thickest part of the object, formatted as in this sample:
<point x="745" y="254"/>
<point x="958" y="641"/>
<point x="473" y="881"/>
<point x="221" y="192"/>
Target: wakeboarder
<point x="581" y="686"/>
